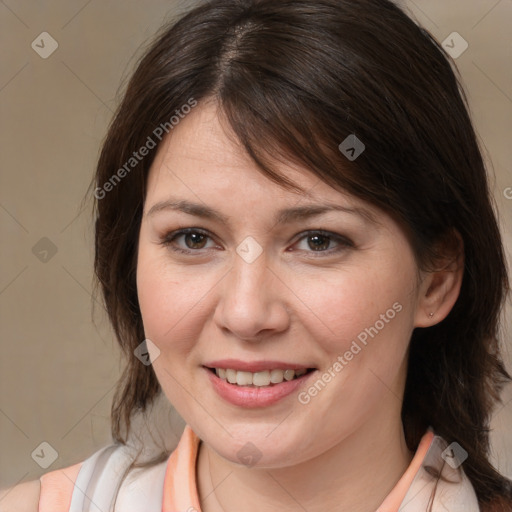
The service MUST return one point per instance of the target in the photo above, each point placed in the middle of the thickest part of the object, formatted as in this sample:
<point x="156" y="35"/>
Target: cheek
<point x="362" y="320"/>
<point x="168" y="299"/>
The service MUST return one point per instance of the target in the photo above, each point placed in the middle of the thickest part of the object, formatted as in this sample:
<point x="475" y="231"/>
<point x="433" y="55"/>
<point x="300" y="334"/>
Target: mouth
<point x="257" y="390"/>
<point x="261" y="379"/>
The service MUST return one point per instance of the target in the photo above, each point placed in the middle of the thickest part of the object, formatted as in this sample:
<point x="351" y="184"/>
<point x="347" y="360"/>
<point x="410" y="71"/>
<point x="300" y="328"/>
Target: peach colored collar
<point x="180" y="486"/>
<point x="394" y="499"/>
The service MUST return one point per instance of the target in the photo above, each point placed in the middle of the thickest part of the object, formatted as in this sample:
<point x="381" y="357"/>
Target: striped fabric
<point x="171" y="485"/>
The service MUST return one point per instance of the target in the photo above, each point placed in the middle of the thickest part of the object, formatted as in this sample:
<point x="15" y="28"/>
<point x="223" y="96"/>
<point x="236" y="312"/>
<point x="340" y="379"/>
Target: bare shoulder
<point x="23" y="497"/>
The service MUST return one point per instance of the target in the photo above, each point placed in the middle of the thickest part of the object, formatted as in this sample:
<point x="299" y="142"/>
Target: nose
<point x="252" y="303"/>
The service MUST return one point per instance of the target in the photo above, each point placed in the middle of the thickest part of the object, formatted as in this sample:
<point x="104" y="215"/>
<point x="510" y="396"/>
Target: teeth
<point x="231" y="376"/>
<point x="258" y="379"/>
<point x="289" y="374"/>
<point x="261" y="378"/>
<point x="276" y="376"/>
<point x="244" y="378"/>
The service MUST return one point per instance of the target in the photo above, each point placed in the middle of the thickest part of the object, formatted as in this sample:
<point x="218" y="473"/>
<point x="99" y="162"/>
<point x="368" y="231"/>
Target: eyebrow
<point x="284" y="216"/>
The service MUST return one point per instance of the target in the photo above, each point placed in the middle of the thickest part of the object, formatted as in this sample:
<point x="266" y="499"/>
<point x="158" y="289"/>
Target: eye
<point x="322" y="241"/>
<point x="194" y="240"/>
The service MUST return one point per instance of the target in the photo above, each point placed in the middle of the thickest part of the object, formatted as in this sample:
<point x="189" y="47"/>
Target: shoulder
<point x="23" y="497"/>
<point x="440" y="484"/>
<point x="453" y="490"/>
<point x="109" y="475"/>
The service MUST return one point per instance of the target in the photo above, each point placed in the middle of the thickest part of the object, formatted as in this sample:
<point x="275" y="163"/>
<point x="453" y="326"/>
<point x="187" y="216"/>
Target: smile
<point x="243" y="391"/>
<point x="258" y="379"/>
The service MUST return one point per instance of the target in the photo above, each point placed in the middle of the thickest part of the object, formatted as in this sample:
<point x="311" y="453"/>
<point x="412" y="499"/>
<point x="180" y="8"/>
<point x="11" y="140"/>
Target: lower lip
<point x="252" y="397"/>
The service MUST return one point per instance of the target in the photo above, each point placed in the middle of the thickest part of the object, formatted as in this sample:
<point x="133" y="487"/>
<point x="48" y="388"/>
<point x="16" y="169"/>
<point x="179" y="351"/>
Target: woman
<point x="293" y="214"/>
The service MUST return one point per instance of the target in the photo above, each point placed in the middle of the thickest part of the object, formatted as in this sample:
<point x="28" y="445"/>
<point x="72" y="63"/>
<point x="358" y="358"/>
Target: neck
<point x="356" y="475"/>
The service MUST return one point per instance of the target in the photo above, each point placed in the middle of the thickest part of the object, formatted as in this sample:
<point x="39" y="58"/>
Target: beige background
<point x="58" y="368"/>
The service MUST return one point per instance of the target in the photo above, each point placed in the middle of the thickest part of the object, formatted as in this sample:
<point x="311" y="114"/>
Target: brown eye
<point x="318" y="242"/>
<point x="187" y="241"/>
<point x="195" y="240"/>
<point x="323" y="243"/>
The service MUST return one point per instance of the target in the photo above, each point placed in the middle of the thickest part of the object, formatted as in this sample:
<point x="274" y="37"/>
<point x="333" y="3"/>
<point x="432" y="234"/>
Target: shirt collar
<point x="410" y="494"/>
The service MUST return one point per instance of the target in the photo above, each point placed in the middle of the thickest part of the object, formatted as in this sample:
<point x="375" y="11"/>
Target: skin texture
<point x="23" y="497"/>
<point x="291" y="304"/>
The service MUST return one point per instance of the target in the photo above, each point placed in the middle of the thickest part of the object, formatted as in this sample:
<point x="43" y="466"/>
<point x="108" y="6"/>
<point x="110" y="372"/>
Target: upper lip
<point x="255" y="366"/>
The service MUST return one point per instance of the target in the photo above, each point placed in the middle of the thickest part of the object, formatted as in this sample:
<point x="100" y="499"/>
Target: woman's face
<point x="317" y="280"/>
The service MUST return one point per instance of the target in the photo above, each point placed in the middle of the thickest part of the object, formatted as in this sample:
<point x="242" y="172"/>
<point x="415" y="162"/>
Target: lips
<point x="256" y="366"/>
<point x="255" y="396"/>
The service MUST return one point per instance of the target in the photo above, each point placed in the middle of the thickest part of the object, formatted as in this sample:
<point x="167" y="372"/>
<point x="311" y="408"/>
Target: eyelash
<point x="344" y="243"/>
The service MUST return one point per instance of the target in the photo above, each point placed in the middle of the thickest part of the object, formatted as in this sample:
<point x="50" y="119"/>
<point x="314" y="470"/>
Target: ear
<point x="440" y="287"/>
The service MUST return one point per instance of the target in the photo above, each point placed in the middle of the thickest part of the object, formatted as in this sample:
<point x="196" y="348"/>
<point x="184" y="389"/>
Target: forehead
<point x="202" y="157"/>
<point x="203" y="147"/>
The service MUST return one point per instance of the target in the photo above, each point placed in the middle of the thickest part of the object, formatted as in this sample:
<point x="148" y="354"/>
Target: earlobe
<point x="440" y="289"/>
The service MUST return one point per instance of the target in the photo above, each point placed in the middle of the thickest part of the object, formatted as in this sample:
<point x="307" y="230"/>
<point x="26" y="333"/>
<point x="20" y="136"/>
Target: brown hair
<point x="294" y="79"/>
